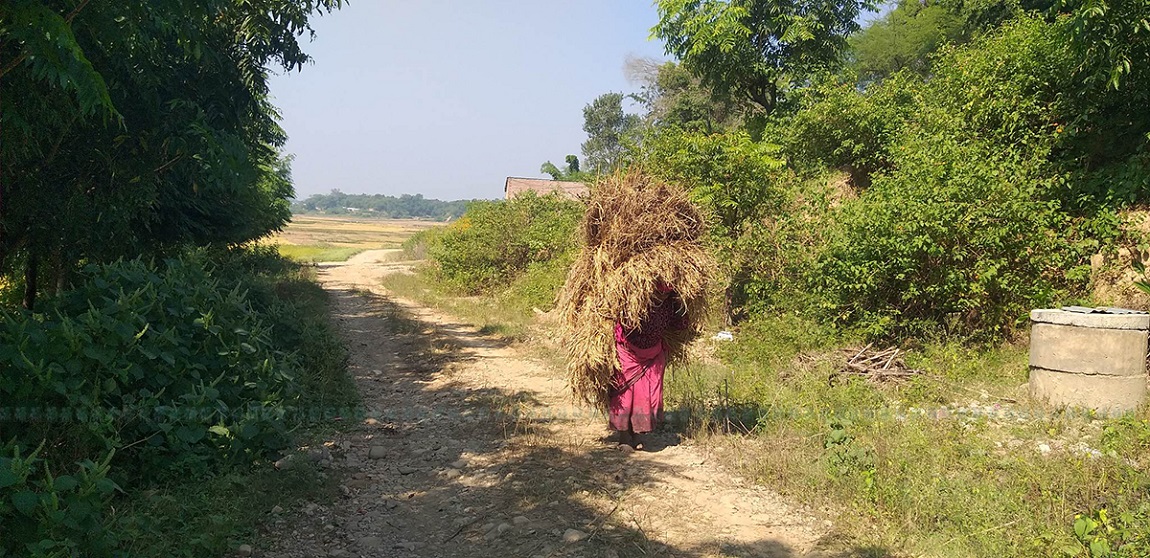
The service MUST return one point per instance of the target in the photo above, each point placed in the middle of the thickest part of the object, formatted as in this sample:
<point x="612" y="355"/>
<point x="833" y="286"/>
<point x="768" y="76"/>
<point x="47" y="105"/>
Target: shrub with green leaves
<point x="183" y="370"/>
<point x="729" y="173"/>
<point x="496" y="241"/>
<point x="844" y="128"/>
<point x="54" y="516"/>
<point x="968" y="230"/>
<point x="170" y="363"/>
<point x="957" y="236"/>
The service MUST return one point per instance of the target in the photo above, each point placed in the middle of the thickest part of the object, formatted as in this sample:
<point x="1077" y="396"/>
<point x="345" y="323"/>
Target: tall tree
<point x="904" y="39"/>
<point x="608" y="129"/>
<point x="139" y="127"/>
<point x="756" y="49"/>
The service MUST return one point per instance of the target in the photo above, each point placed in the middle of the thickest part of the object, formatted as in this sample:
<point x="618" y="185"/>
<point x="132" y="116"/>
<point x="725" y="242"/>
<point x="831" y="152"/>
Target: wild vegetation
<point x="154" y="360"/>
<point x="922" y="182"/>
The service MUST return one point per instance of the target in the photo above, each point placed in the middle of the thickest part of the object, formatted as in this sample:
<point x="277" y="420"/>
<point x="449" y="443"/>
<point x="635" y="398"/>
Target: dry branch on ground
<point x="876" y="365"/>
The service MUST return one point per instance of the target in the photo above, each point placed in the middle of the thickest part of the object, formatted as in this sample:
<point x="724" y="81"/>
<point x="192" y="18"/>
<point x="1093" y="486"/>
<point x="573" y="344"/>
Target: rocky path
<point x="473" y="448"/>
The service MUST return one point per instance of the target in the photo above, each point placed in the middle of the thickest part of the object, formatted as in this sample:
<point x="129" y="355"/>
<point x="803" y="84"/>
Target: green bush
<point x="729" y="174"/>
<point x="54" y="516"/>
<point x="170" y="363"/>
<point x="968" y="230"/>
<point x="741" y="184"/>
<point x="185" y="370"/>
<point x="496" y="241"/>
<point x="847" y="129"/>
<point x="417" y="246"/>
<point x="958" y="236"/>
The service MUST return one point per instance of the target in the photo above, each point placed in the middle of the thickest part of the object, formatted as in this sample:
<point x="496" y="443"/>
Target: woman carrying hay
<point x="633" y="298"/>
<point x="635" y="397"/>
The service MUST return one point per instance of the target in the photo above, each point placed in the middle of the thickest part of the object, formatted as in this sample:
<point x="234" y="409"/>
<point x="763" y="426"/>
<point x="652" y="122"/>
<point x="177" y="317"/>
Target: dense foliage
<point x="496" y="241"/>
<point x="147" y="122"/>
<point x="140" y="345"/>
<point x="148" y="373"/>
<point x="406" y="206"/>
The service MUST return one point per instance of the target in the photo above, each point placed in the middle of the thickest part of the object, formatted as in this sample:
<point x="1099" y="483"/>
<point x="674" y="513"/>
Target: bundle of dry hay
<point x="638" y="232"/>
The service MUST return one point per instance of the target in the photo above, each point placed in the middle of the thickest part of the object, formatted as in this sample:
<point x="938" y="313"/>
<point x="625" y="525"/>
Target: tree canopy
<point x="608" y="129"/>
<point x="757" y="49"/>
<point x="138" y="127"/>
<point x="406" y="206"/>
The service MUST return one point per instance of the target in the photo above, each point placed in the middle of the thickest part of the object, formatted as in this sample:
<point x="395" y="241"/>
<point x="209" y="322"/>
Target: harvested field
<point x="311" y="238"/>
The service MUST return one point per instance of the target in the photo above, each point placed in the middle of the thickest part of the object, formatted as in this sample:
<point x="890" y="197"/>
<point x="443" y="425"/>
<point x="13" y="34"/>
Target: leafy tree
<point x="909" y="35"/>
<point x="904" y="39"/>
<point x="139" y="127"/>
<point x="608" y="129"/>
<point x="673" y="96"/>
<point x="1112" y="37"/>
<point x="549" y="168"/>
<point x="571" y="172"/>
<point x="572" y="164"/>
<point x="757" y="49"/>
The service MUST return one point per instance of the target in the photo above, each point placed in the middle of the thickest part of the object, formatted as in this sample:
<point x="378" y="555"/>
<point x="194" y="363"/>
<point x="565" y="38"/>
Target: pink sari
<point x="636" y="401"/>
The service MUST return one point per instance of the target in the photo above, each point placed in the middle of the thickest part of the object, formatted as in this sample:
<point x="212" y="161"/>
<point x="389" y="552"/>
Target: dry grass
<point x="638" y="234"/>
<point x="324" y="239"/>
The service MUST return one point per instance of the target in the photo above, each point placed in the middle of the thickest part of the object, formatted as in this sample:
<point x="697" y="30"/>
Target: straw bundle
<point x="637" y="232"/>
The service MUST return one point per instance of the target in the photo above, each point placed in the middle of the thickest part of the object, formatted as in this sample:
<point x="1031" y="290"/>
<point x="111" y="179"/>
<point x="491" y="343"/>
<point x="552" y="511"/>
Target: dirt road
<point x="474" y="448"/>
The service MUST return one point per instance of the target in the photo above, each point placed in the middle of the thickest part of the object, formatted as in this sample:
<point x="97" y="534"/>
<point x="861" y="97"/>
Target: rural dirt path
<point x="473" y="448"/>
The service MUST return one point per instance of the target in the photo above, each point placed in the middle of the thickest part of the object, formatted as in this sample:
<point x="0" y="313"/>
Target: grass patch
<point x="955" y="462"/>
<point x="212" y="518"/>
<point x="488" y="313"/>
<point x="317" y="253"/>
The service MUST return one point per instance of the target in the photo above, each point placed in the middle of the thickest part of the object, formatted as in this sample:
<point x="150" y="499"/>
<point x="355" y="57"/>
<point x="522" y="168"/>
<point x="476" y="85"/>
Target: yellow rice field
<point x="312" y="238"/>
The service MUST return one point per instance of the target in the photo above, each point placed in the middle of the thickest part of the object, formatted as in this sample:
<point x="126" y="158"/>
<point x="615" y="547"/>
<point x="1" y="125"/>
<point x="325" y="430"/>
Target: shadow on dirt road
<point x="468" y="447"/>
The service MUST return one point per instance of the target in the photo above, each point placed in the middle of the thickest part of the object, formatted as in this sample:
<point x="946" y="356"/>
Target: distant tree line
<point x="406" y="206"/>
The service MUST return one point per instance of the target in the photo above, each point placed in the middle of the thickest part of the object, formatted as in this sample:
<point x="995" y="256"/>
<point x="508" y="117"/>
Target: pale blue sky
<point x="448" y="98"/>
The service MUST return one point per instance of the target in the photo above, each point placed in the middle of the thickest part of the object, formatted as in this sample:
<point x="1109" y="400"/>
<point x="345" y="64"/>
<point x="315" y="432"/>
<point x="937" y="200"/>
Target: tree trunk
<point x="61" y="269"/>
<point x="30" y="282"/>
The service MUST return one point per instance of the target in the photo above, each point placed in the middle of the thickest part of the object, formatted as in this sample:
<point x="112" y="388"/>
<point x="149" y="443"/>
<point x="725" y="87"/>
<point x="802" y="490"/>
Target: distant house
<point x="515" y="186"/>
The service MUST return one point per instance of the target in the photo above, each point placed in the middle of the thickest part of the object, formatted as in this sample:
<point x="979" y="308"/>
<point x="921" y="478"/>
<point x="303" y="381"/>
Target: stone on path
<point x="452" y="473"/>
<point x="574" y="536"/>
<point x="377" y="452"/>
<point x="244" y="550"/>
<point x="520" y="520"/>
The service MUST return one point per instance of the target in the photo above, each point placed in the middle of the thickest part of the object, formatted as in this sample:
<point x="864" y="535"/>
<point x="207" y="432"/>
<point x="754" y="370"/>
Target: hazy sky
<point x="448" y="98"/>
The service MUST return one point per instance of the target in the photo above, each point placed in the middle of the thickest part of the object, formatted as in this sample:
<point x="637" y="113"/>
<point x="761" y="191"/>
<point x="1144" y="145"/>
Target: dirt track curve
<point x="474" y="448"/>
